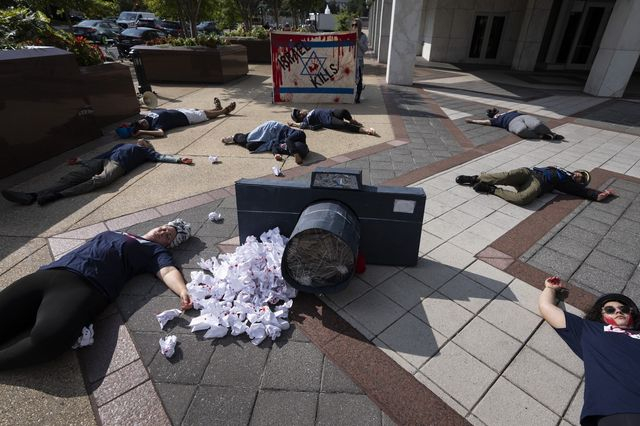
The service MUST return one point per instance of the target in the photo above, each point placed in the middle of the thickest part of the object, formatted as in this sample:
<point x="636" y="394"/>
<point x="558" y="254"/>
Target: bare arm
<point x="547" y="304"/>
<point x="604" y="194"/>
<point x="159" y="133"/>
<point x="175" y="281"/>
<point x="483" y="122"/>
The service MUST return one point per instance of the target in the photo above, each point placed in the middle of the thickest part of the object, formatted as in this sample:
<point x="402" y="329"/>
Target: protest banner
<point x="313" y="67"/>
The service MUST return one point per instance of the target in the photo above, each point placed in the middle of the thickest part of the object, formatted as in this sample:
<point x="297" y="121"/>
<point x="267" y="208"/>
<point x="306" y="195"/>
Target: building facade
<point x="599" y="36"/>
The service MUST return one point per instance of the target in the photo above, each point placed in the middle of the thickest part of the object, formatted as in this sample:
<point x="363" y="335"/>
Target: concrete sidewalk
<point x="456" y="338"/>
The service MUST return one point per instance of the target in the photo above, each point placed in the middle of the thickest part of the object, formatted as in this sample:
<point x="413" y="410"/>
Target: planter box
<point x="194" y="64"/>
<point x="258" y="51"/>
<point x="110" y="91"/>
<point x="44" y="108"/>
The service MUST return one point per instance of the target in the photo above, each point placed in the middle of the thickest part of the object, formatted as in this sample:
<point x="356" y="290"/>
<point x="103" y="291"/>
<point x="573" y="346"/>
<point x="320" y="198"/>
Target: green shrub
<point x="20" y="27"/>
<point x="344" y="19"/>
<point x="206" y="40"/>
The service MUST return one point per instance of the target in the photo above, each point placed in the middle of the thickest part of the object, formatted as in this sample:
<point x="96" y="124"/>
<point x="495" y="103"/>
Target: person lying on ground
<point x="45" y="312"/>
<point x="274" y="137"/>
<point x="336" y="119"/>
<point x="96" y="173"/>
<point x="607" y="340"/>
<point x="156" y="123"/>
<point x="532" y="183"/>
<point x="525" y="126"/>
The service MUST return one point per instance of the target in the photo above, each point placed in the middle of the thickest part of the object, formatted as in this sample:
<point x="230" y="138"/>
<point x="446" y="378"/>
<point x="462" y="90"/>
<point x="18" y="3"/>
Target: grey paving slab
<point x="346" y="409"/>
<point x="213" y="405"/>
<point x="516" y="407"/>
<point x="187" y="364"/>
<point x="294" y="366"/>
<point x="275" y="407"/>
<point x="481" y="339"/>
<point x="548" y="383"/>
<point x="375" y="311"/>
<point x="467" y="293"/>
<point x="459" y="374"/>
<point x="334" y="380"/>
<point x="510" y="318"/>
<point x="546" y="342"/>
<point x="405" y="290"/>
<point x="236" y="362"/>
<point x="176" y="399"/>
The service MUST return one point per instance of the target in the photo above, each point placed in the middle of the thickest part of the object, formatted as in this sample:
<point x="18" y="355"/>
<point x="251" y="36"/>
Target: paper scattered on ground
<point x="166" y="316"/>
<point x="243" y="292"/>
<point x="215" y="217"/>
<point x="85" y="339"/>
<point x="168" y="345"/>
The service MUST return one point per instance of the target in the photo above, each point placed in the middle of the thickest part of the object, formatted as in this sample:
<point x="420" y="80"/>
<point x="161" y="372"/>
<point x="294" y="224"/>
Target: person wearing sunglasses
<point x="608" y="342"/>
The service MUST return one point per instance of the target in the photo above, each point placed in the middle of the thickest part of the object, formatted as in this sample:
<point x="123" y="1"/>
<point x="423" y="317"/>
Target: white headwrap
<point x="183" y="232"/>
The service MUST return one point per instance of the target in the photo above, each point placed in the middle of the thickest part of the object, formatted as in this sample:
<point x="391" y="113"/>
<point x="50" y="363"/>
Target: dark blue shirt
<point x="166" y="119"/>
<point x="129" y="156"/>
<point x="553" y="178"/>
<point x="503" y="120"/>
<point x="319" y="117"/>
<point x="611" y="366"/>
<point x="110" y="259"/>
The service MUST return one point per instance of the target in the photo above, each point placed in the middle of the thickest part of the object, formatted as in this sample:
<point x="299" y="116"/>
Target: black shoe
<point x="467" y="180"/>
<point x="484" y="188"/>
<point x="547" y="137"/>
<point x="24" y="198"/>
<point x="557" y="137"/>
<point x="46" y="197"/>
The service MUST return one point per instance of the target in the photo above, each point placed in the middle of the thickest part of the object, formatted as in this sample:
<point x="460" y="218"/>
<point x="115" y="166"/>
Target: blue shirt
<point x="503" y="120"/>
<point x="129" y="156"/>
<point x="273" y="136"/>
<point x="319" y="117"/>
<point x="110" y="259"/>
<point x="611" y="366"/>
<point x="166" y="119"/>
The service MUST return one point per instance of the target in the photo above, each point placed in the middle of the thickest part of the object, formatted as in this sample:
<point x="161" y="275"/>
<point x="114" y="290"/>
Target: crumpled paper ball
<point x="168" y="345"/>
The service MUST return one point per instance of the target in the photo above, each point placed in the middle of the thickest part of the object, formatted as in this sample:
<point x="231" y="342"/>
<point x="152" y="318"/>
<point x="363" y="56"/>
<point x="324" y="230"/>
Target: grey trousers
<point x="528" y="127"/>
<point x="527" y="187"/>
<point x="87" y="176"/>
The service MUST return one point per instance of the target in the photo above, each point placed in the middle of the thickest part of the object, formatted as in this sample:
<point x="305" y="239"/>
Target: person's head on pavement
<point x="144" y="143"/>
<point x="298" y="115"/>
<point x="614" y="309"/>
<point x="491" y="112"/>
<point x="582" y="177"/>
<point x="141" y="124"/>
<point x="170" y="235"/>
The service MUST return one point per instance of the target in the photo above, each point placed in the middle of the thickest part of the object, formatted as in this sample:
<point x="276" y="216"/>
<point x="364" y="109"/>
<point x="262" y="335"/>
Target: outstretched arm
<point x="159" y="133"/>
<point x="483" y="122"/>
<point x="547" y="303"/>
<point x="173" y="279"/>
<point x="604" y="194"/>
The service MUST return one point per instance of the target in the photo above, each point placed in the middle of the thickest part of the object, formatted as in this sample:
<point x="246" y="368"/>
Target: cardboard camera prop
<point x="330" y="221"/>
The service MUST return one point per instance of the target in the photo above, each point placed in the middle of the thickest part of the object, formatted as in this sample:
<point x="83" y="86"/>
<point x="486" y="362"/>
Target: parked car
<point x="173" y="28"/>
<point x="135" y="36"/>
<point x="149" y="23"/>
<point x="128" y="19"/>
<point x="96" y="30"/>
<point x="207" y="27"/>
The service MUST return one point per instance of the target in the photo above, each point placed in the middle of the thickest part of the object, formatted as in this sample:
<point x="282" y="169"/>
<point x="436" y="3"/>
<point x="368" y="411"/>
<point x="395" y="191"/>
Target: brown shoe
<point x="216" y="103"/>
<point x="229" y="108"/>
<point x="298" y="158"/>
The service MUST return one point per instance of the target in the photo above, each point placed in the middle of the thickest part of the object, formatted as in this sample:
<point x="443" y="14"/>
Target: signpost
<point x="313" y="67"/>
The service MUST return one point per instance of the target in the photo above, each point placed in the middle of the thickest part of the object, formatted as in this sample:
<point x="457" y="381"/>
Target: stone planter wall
<point x="110" y="90"/>
<point x="194" y="64"/>
<point x="258" y="51"/>
<point x="43" y="107"/>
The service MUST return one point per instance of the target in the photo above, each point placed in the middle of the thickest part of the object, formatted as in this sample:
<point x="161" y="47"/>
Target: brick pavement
<point x="458" y="335"/>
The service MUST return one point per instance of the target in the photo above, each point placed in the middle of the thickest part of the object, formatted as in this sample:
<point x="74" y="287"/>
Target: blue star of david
<point x="311" y="60"/>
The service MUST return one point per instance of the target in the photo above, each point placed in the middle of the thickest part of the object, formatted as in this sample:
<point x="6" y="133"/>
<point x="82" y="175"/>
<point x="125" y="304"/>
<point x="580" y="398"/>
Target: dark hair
<point x="595" y="312"/>
<point x="135" y="126"/>
<point x="491" y="112"/>
<point x="295" y="115"/>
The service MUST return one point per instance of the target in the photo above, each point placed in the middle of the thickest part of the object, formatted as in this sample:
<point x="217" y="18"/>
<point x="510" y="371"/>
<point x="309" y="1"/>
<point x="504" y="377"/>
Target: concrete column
<point x="385" y="30"/>
<point x="534" y="23"/>
<point x="375" y="40"/>
<point x="405" y="24"/>
<point x="618" y="52"/>
<point x="372" y="22"/>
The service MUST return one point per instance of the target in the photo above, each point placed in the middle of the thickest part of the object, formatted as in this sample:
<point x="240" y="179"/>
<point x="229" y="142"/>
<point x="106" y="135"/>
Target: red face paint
<point x="609" y="320"/>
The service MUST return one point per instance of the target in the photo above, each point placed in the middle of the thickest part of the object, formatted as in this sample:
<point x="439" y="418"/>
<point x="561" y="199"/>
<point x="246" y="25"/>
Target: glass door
<point x="486" y="36"/>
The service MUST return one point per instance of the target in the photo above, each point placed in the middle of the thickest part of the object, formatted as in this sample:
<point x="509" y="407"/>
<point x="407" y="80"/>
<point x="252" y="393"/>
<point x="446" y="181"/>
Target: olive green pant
<point x="527" y="187"/>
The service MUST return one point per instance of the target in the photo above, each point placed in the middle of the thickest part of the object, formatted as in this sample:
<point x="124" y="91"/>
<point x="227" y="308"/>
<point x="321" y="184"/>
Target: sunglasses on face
<point x="610" y="310"/>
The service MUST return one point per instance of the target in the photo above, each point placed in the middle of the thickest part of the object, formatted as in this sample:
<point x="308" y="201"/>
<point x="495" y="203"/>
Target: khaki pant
<point x="527" y="187"/>
<point x="87" y="176"/>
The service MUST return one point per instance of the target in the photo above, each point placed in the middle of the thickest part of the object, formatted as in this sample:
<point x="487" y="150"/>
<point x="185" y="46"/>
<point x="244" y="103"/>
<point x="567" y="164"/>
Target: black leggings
<point x="42" y="315"/>
<point x="623" y="419"/>
<point x="338" y="117"/>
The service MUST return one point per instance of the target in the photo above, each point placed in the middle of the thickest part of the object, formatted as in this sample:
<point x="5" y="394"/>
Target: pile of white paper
<point x="244" y="292"/>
